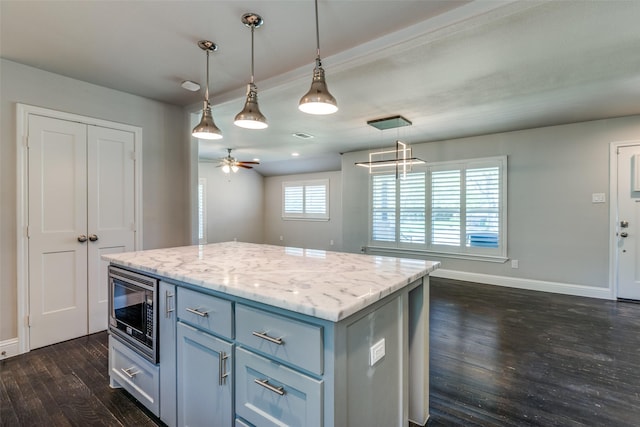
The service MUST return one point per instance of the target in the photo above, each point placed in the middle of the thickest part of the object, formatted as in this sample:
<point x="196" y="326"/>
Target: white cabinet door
<point x="81" y="205"/>
<point x="110" y="211"/>
<point x="57" y="221"/>
<point x="204" y="379"/>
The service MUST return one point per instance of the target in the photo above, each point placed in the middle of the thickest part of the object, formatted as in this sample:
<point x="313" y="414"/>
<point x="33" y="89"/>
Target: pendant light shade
<point x="207" y="128"/>
<point x="250" y="117"/>
<point x="318" y="100"/>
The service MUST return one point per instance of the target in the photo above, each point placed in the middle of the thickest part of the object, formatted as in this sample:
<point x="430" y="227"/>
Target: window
<point x="451" y="207"/>
<point x="305" y="200"/>
<point x="202" y="211"/>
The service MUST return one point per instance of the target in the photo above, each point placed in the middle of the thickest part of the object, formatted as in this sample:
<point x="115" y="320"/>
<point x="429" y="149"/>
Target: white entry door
<point x="628" y="227"/>
<point x="81" y="205"/>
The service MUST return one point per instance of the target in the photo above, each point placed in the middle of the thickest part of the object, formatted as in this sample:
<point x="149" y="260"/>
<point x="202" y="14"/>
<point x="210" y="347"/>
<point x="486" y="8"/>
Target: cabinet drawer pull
<point x="196" y="311"/>
<point x="128" y="372"/>
<point x="222" y="368"/>
<point x="167" y="306"/>
<point x="264" y="336"/>
<point x="265" y="383"/>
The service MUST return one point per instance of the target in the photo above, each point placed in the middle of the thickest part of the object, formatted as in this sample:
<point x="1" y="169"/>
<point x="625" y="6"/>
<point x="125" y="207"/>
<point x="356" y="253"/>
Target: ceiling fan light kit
<point x="318" y="100"/>
<point x="207" y="128"/>
<point x="231" y="164"/>
<point x="250" y="117"/>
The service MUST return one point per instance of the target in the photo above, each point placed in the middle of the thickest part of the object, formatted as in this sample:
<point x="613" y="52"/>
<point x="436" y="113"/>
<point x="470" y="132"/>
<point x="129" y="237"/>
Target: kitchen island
<point x="267" y="335"/>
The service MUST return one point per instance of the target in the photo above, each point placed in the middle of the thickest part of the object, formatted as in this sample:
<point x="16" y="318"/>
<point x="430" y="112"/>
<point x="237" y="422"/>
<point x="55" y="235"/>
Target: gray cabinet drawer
<point x="289" y="340"/>
<point x="206" y="312"/>
<point x="270" y="394"/>
<point x="135" y="374"/>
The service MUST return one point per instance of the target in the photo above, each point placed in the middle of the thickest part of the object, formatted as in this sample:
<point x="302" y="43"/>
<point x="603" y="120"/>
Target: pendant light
<point x="207" y="129"/>
<point x="250" y="117"/>
<point x="318" y="100"/>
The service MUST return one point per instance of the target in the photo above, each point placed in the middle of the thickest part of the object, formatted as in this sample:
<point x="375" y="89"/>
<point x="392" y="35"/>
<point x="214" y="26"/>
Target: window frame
<point x="463" y="250"/>
<point x="305" y="215"/>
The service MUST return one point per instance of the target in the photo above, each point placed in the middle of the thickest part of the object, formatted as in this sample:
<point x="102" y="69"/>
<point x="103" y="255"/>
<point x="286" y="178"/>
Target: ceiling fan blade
<point x="249" y="163"/>
<point x="244" y="166"/>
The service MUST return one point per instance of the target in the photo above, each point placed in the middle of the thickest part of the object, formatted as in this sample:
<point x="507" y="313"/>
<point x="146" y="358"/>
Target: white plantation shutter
<point x="455" y="208"/>
<point x="315" y="199"/>
<point x="305" y="199"/>
<point x="202" y="211"/>
<point x="293" y="200"/>
<point x="445" y="207"/>
<point x="483" y="206"/>
<point x="383" y="212"/>
<point x="412" y="208"/>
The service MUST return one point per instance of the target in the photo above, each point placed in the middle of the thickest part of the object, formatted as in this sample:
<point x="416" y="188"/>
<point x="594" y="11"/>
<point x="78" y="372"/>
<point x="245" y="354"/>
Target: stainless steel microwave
<point x="133" y="317"/>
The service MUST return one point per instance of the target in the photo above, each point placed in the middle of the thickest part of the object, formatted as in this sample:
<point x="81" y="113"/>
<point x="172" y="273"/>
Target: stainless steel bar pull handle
<point x="264" y="336"/>
<point x="82" y="238"/>
<point x="167" y="305"/>
<point x="223" y="367"/>
<point x="265" y="383"/>
<point x="196" y="311"/>
<point x="93" y="237"/>
<point x="128" y="372"/>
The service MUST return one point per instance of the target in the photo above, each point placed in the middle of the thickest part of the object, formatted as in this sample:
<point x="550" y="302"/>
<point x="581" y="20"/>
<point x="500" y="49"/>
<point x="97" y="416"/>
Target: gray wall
<point x="554" y="230"/>
<point x="234" y="204"/>
<point x="298" y="233"/>
<point x="165" y="182"/>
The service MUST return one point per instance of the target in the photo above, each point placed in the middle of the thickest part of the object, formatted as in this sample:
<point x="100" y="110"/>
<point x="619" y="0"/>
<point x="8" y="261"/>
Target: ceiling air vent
<point x="302" y="135"/>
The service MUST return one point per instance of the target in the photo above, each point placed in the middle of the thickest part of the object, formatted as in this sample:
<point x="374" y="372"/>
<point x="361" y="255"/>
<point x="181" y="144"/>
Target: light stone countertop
<point x="323" y="284"/>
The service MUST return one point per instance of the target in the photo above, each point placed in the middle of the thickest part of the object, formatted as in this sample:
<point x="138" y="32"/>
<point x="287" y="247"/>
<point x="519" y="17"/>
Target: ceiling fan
<point x="229" y="163"/>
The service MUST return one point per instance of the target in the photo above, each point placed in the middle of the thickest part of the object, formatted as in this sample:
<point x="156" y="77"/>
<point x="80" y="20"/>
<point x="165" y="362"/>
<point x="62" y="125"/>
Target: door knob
<point x="93" y="237"/>
<point x="624" y="234"/>
<point x="82" y="238"/>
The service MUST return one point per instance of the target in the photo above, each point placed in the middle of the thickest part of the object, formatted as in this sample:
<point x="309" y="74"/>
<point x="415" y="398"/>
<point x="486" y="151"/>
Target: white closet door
<point x="110" y="211"/>
<point x="57" y="222"/>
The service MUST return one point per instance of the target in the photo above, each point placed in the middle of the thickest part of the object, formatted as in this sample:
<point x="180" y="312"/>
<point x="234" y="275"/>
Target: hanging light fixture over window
<point x="250" y="117"/>
<point x="207" y="129"/>
<point x="318" y="100"/>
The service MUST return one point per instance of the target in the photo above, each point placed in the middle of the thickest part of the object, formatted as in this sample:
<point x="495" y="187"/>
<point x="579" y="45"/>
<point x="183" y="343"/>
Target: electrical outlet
<point x="376" y="352"/>
<point x="515" y="263"/>
<point x="281" y="238"/>
<point x="331" y="242"/>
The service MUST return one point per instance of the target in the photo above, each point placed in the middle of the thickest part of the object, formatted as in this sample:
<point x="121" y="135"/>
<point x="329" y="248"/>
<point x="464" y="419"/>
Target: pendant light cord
<point x="206" y="93"/>
<point x="253" y="26"/>
<point x="317" y="32"/>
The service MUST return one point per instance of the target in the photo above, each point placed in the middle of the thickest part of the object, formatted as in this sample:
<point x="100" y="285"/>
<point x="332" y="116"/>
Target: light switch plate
<point x="598" y="198"/>
<point x="376" y="352"/>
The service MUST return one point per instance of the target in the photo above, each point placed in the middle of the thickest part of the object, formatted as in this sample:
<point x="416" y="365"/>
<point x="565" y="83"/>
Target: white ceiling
<point x="453" y="68"/>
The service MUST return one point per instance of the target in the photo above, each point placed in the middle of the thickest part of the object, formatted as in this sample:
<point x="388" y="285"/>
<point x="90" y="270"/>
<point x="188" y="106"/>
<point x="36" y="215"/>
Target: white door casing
<point x="112" y="157"/>
<point x="110" y="211"/>
<point x="627" y="222"/>
<point x="57" y="219"/>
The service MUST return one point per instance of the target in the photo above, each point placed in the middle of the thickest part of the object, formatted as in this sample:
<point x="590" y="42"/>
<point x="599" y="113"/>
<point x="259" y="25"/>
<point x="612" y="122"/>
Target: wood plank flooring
<point x="499" y="357"/>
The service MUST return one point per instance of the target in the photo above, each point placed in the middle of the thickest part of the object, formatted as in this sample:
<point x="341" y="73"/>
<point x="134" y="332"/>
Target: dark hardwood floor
<point x="499" y="357"/>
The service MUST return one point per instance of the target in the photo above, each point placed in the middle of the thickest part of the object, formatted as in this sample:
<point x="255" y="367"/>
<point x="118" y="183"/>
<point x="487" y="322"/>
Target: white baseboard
<point x="529" y="284"/>
<point x="8" y="348"/>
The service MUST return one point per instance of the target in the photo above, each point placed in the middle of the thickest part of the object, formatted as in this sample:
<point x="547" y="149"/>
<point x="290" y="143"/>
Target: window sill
<point x="289" y="218"/>
<point x="381" y="250"/>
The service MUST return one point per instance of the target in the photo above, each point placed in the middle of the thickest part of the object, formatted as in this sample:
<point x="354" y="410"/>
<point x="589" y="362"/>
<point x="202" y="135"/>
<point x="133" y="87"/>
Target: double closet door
<point x="81" y="202"/>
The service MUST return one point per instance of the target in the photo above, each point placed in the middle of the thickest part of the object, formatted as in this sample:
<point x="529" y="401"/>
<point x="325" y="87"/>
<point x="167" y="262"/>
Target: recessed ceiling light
<point x="256" y="159"/>
<point x="295" y="154"/>
<point x="189" y="85"/>
<point x="302" y="135"/>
